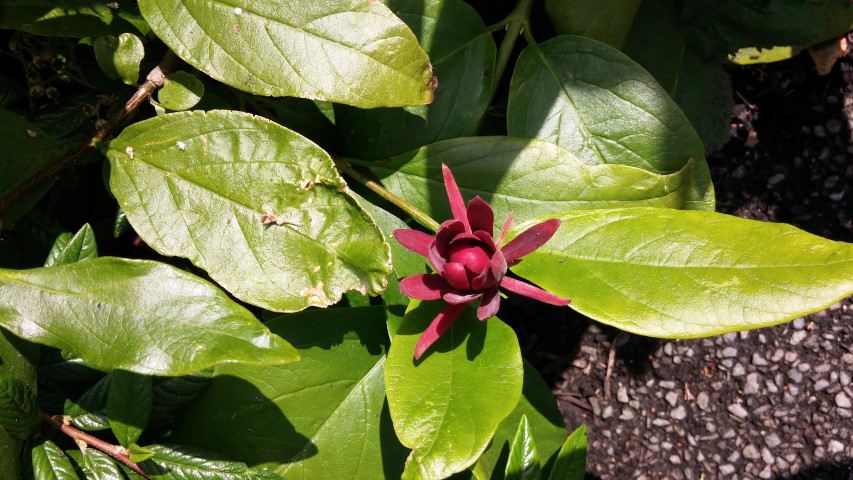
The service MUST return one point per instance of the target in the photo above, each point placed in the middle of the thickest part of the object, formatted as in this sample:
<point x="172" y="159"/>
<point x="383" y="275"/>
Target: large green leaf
<point x="26" y="150"/>
<point x="447" y="406"/>
<point x="681" y="274"/>
<point x="524" y="176"/>
<point x="603" y="107"/>
<point x="324" y="417"/>
<point x="462" y="52"/>
<point x="17" y="364"/>
<point x="537" y="404"/>
<point x="259" y="207"/>
<point x="136" y="315"/>
<point x="607" y="21"/>
<point x="71" y="18"/>
<point x="129" y="401"/>
<point x="354" y="52"/>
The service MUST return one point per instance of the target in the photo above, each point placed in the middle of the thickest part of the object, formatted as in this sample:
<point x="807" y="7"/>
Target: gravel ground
<point x="775" y="403"/>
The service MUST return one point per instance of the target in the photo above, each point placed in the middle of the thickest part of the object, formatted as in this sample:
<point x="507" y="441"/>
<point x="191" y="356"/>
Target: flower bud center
<point x="471" y="255"/>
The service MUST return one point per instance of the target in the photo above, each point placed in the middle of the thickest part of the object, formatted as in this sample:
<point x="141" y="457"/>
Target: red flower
<point x="469" y="263"/>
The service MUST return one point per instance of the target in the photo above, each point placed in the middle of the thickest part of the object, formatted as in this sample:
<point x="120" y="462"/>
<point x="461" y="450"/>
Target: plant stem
<point x="116" y="451"/>
<point x="417" y="215"/>
<point x="515" y="25"/>
<point x="152" y="82"/>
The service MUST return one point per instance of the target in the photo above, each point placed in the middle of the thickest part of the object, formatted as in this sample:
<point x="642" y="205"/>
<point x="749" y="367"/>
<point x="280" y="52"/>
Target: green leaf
<point x="18" y="408"/>
<point x="181" y="91"/>
<point x="26" y="150"/>
<point x="135" y="315"/>
<point x="97" y="465"/>
<point x="704" y="93"/>
<point x="462" y="52"/>
<point x="180" y="463"/>
<point x="259" y="207"/>
<point x="606" y="21"/>
<point x="119" y="57"/>
<point x="17" y="364"/>
<point x="69" y="18"/>
<point x="600" y="105"/>
<point x="447" y="406"/>
<point x="51" y="463"/>
<point x="354" y="52"/>
<point x="129" y="405"/>
<point x="571" y="461"/>
<point x="89" y="411"/>
<point x="171" y="393"/>
<point x="139" y="454"/>
<point x="323" y="417"/>
<point x="68" y="249"/>
<point x="656" y="41"/>
<point x="523" y="461"/>
<point x="524" y="176"/>
<point x="537" y="404"/>
<point x="752" y="56"/>
<point x="681" y="274"/>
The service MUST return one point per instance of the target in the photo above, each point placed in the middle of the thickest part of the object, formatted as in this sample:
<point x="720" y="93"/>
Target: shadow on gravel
<point x="827" y="470"/>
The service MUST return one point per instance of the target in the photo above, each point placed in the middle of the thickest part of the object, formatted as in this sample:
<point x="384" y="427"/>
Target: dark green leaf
<point x="17" y="359"/>
<point x="571" y="461"/>
<point x="447" y="406"/>
<point x="171" y="393"/>
<point x="51" y="463"/>
<point x="26" y="150"/>
<point x="135" y="315"/>
<point x="180" y="463"/>
<point x="129" y="403"/>
<point x="119" y="57"/>
<point x="18" y="408"/>
<point x="353" y="52"/>
<point x="68" y="249"/>
<point x="704" y="93"/>
<point x="10" y="91"/>
<point x="259" y="207"/>
<point x="68" y="18"/>
<point x="685" y="274"/>
<point x="181" y="91"/>
<point x="607" y="21"/>
<point x="524" y="176"/>
<point x="97" y="465"/>
<point x="462" y="53"/>
<point x="603" y="107"/>
<point x="523" y="463"/>
<point x="656" y="41"/>
<point x="323" y="417"/>
<point x="89" y="412"/>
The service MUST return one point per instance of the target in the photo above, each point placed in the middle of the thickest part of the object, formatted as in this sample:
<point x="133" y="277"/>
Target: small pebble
<point x="727" y="469"/>
<point x="751" y="387"/>
<point x="791" y="357"/>
<point x="844" y="378"/>
<point x="679" y="413"/>
<point x="758" y="360"/>
<point x="608" y="412"/>
<point x="835" y="446"/>
<point x="728" y="352"/>
<point x="798" y="337"/>
<point x="737" y="410"/>
<point x="833" y="125"/>
<point x="795" y="375"/>
<point x="821" y="384"/>
<point x="667" y="384"/>
<point x="627" y="414"/>
<point x="768" y="457"/>
<point x="766" y="474"/>
<point x="819" y="131"/>
<point x="660" y="422"/>
<point x="702" y="400"/>
<point x="675" y="459"/>
<point x="672" y="398"/>
<point x="738" y="370"/>
<point x="622" y="394"/>
<point x="842" y="400"/>
<point x="776" y="179"/>
<point x="751" y="452"/>
<point x="799" y="323"/>
<point x="772" y="440"/>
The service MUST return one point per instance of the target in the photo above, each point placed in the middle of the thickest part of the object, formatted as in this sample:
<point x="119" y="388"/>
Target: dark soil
<point x="772" y="403"/>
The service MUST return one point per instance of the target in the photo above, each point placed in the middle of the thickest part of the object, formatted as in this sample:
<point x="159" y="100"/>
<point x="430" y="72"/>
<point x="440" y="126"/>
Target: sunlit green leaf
<point x="524" y="176"/>
<point x="323" y="417"/>
<point x="179" y="463"/>
<point x="607" y="21"/>
<point x="129" y="405"/>
<point x="353" y="52"/>
<point x="50" y="463"/>
<point x="97" y="465"/>
<point x="447" y="406"/>
<point x="181" y="91"/>
<point x="523" y="463"/>
<point x="89" y="411"/>
<point x="259" y="207"/>
<point x="600" y="105"/>
<point x="571" y="461"/>
<point x="681" y="274"/>
<point x="68" y="249"/>
<point x="462" y="53"/>
<point x="135" y="315"/>
<point x="119" y="57"/>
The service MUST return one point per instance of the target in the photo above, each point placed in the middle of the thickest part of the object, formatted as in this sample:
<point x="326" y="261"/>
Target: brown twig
<point x="152" y="82"/>
<point x="80" y="437"/>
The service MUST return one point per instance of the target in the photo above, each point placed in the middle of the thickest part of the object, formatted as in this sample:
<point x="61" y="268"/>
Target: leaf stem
<point x="514" y="26"/>
<point x="116" y="451"/>
<point x="152" y="82"/>
<point x="419" y="216"/>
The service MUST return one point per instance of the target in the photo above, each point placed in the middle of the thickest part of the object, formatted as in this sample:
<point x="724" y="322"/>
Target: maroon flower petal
<point x="414" y="240"/>
<point x="456" y="275"/>
<point x="487" y="239"/>
<point x="425" y="286"/>
<point x="457" y="205"/>
<point x="492" y="275"/>
<point x="533" y="292"/>
<point x="461" y="297"/>
<point x="530" y="239"/>
<point x="490" y="304"/>
<point x="439" y="325"/>
<point x="504" y="230"/>
<point x="480" y="216"/>
<point x="440" y="248"/>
